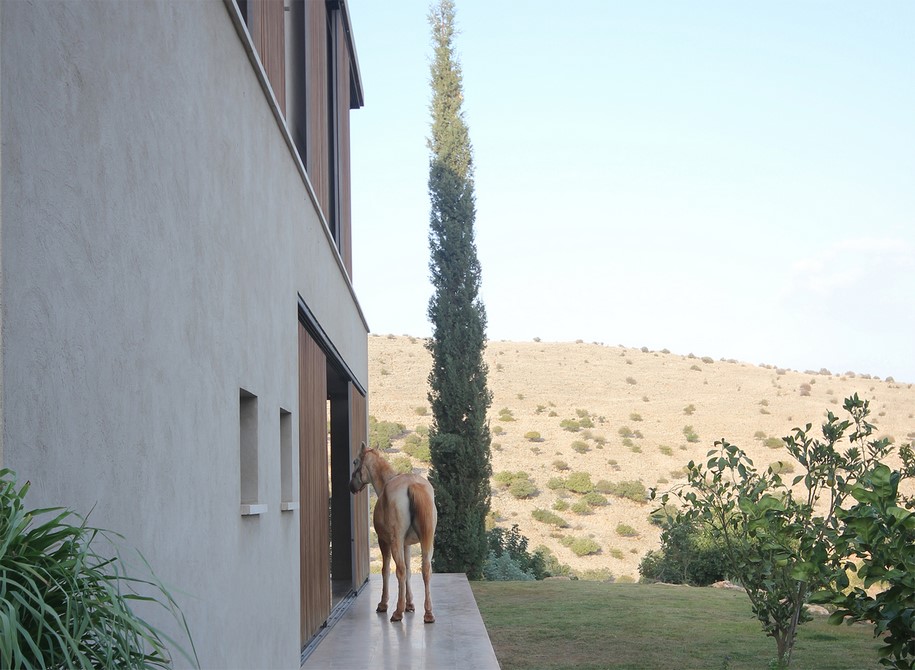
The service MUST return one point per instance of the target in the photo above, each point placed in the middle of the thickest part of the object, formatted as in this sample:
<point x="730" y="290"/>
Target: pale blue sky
<point x="728" y="179"/>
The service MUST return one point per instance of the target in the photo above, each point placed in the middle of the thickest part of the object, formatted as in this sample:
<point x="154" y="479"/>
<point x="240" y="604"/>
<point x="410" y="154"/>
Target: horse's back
<point x="408" y="502"/>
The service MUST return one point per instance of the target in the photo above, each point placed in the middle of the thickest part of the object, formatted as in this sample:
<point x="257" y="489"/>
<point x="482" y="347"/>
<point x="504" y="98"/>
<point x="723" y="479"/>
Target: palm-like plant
<point x="65" y="605"/>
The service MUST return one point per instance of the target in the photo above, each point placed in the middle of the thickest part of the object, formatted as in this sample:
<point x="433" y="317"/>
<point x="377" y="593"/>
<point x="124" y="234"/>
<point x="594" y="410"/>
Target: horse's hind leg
<point x="408" y="607"/>
<point x="385" y="569"/>
<point x="401" y="572"/>
<point x="427" y="575"/>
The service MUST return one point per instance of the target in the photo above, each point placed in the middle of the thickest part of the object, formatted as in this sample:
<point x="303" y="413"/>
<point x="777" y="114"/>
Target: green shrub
<point x="695" y="368"/>
<point x="759" y="435"/>
<point x="498" y="430"/>
<point x="65" y="605"/>
<point x="401" y="464"/>
<point x="625" y="431"/>
<point x="560" y="465"/>
<point x="630" y="380"/>
<point x="560" y="505"/>
<point x="570" y="425"/>
<point x="546" y="516"/>
<point x="533" y="436"/>
<point x="688" y="555"/>
<point x="631" y="490"/>
<point x="635" y="449"/>
<point x="504" y="478"/>
<point x="664" y="449"/>
<point x="581" y="507"/>
<point x="579" y="482"/>
<point x="617" y="553"/>
<point x="774" y="442"/>
<point x="502" y="568"/>
<point x="540" y="409"/>
<point x="421" y="411"/>
<point x="689" y="409"/>
<point x="418" y="450"/>
<point x="381" y="433"/>
<point x="594" y="499"/>
<point x="513" y="543"/>
<point x="581" y="546"/>
<point x="556" y="483"/>
<point x="580" y="446"/>
<point x="522" y="488"/>
<point x="627" y="442"/>
<point x="690" y="434"/>
<point x="506" y="414"/>
<point x="625" y="530"/>
<point x="781" y="467"/>
<point x="635" y="416"/>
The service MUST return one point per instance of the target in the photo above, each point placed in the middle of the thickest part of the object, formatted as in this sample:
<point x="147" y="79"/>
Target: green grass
<point x="591" y="625"/>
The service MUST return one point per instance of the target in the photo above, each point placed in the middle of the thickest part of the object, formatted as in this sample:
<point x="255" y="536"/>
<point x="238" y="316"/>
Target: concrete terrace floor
<point x="363" y="638"/>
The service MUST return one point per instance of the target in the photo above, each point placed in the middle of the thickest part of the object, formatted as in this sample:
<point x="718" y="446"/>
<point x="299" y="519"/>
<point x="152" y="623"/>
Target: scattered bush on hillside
<point x="666" y="450"/>
<point x="774" y="442"/>
<point x="581" y="508"/>
<point x="625" y="530"/>
<point x="540" y="409"/>
<point x="635" y="416"/>
<point x="781" y="468"/>
<point x="690" y="434"/>
<point x="560" y="465"/>
<point x="689" y="409"/>
<point x="506" y="414"/>
<point x="548" y="517"/>
<point x="580" y="446"/>
<point x="581" y="546"/>
<point x="556" y="483"/>
<point x="595" y="499"/>
<point x="631" y="490"/>
<point x="804" y="389"/>
<point x="570" y="425"/>
<point x="417" y="446"/>
<point x="382" y="433"/>
<point x="630" y="380"/>
<point x="533" y="436"/>
<point x="560" y="505"/>
<point x="625" y="431"/>
<point x="522" y="488"/>
<point x="695" y="368"/>
<point x="579" y="482"/>
<point x="422" y="410"/>
<point x="759" y="435"/>
<point x="401" y="464"/>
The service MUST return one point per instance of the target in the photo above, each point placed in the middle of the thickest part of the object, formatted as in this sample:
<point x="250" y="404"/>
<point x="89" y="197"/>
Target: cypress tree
<point x="459" y="438"/>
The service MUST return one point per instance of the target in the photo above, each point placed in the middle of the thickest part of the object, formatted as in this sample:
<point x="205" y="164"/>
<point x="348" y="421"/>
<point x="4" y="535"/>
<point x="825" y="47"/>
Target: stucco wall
<point x="155" y="236"/>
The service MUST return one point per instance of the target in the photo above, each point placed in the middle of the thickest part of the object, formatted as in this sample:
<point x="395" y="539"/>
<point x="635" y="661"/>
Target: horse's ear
<point x="362" y="449"/>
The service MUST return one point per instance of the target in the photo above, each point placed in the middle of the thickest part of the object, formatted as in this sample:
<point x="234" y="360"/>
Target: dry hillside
<point x="654" y="394"/>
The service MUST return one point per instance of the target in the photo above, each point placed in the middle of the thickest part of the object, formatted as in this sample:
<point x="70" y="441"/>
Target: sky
<point x="728" y="179"/>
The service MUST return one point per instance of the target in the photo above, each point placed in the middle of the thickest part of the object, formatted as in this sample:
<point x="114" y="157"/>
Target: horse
<point x="405" y="514"/>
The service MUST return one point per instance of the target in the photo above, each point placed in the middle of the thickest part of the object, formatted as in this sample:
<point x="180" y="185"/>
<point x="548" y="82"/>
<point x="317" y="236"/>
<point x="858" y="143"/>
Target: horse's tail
<point x="423" y="515"/>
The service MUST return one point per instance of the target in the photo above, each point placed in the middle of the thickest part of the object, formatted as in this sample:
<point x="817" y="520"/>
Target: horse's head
<point x="360" y="478"/>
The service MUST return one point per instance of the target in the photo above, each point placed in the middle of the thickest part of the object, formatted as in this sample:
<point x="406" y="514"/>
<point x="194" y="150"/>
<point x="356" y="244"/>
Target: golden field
<point x="654" y="394"/>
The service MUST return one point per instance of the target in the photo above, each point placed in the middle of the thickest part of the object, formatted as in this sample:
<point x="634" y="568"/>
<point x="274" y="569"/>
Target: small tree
<point x="781" y="547"/>
<point x="878" y="534"/>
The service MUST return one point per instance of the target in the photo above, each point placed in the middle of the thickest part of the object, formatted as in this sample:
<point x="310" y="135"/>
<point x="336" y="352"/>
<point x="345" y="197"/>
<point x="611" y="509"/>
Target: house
<point x="182" y="349"/>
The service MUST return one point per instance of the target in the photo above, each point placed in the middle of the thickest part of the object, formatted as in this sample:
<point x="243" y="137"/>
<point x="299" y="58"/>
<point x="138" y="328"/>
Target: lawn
<point x="579" y="624"/>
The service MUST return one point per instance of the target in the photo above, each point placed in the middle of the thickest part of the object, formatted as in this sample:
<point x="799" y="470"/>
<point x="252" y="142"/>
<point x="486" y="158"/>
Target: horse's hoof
<point x="410" y="608"/>
<point x="396" y="617"/>
<point x="429" y="618"/>
<point x="381" y="608"/>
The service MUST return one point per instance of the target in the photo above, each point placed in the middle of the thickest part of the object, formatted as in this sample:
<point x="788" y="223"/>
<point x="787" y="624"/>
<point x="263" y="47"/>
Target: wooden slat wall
<point x="343" y="158"/>
<point x="316" y="118"/>
<point x="266" y="23"/>
<point x="358" y="435"/>
<point x="314" y="532"/>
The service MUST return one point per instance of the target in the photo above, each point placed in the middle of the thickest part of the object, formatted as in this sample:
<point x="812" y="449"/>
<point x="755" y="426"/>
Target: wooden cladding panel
<point x="343" y="157"/>
<point x="314" y="531"/>
<point x="358" y="435"/>
<point x="266" y="23"/>
<point x="316" y="112"/>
